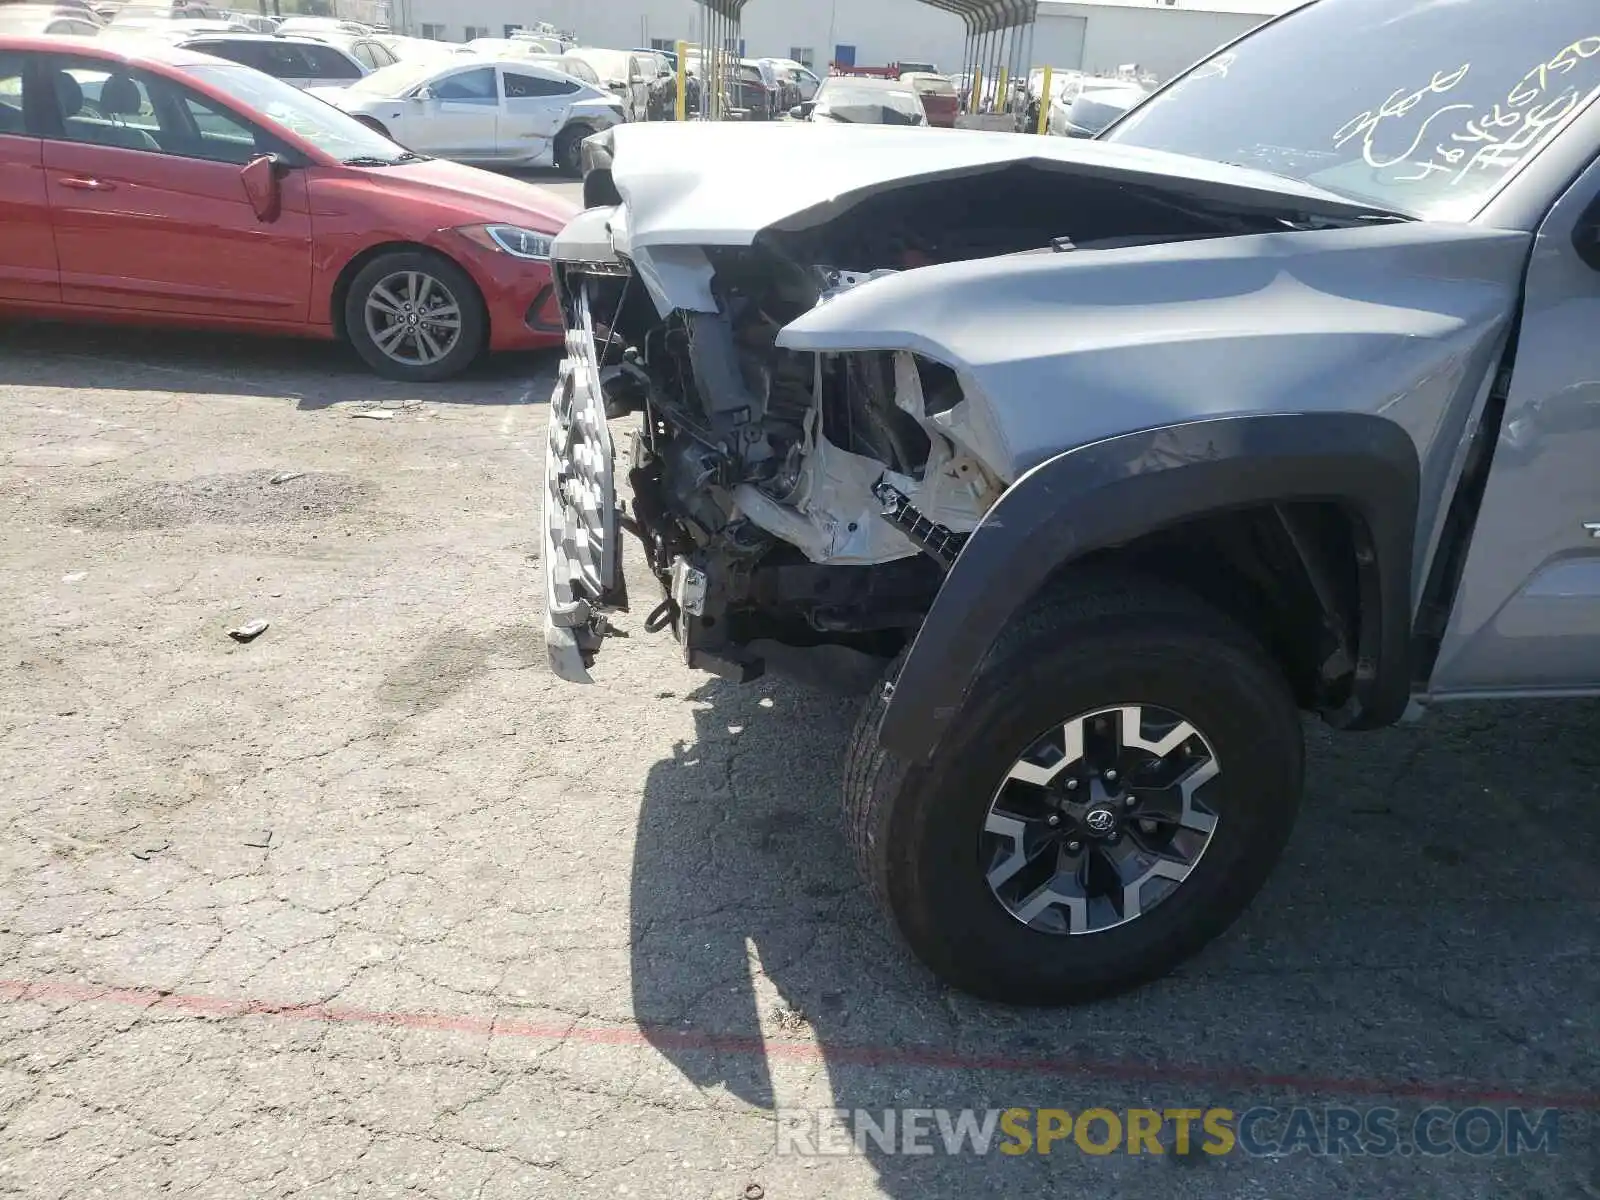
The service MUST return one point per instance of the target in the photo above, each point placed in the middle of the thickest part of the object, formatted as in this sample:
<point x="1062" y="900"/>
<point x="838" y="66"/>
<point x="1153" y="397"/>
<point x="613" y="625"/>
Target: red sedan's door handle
<point x="88" y="185"/>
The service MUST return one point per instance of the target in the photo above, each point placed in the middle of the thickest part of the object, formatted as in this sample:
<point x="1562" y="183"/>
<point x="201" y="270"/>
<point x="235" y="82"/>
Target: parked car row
<point x="507" y="102"/>
<point x="315" y="51"/>
<point x="143" y="181"/>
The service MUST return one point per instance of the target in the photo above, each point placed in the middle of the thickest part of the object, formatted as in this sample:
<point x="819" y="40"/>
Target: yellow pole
<point x="977" y="88"/>
<point x="683" y="81"/>
<point x="716" y="82"/>
<point x="1044" y="101"/>
<point x="1002" y="98"/>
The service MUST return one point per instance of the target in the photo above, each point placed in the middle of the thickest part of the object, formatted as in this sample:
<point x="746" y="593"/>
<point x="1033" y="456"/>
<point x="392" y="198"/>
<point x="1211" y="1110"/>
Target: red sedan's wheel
<point x="416" y="316"/>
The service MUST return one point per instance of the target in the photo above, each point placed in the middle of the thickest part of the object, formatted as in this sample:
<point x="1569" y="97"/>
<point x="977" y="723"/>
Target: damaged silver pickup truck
<point x="1095" y="463"/>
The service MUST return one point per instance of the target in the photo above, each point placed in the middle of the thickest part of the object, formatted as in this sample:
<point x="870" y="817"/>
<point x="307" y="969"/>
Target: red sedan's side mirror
<point x="263" y="185"/>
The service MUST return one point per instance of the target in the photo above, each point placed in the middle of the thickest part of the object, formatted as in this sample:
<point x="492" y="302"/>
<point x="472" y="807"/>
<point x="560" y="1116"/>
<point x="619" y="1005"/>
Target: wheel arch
<point x="1340" y="488"/>
<point x="347" y="274"/>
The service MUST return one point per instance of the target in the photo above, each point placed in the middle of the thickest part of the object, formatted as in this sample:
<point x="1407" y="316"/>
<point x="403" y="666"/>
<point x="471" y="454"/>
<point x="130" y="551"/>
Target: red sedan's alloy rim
<point x="413" y="318"/>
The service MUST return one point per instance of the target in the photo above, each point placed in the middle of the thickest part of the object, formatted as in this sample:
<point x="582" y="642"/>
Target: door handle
<point x="88" y="185"/>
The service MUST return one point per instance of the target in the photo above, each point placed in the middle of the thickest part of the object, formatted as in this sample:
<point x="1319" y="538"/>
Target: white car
<point x="305" y="62"/>
<point x="28" y="19"/>
<point x="413" y="49"/>
<point x="626" y="74"/>
<point x="505" y="47"/>
<point x="568" y="65"/>
<point x="368" y="50"/>
<point x="1084" y="109"/>
<point x="255" y="23"/>
<point x="555" y="41"/>
<point x="507" y="112"/>
<point x="539" y="42"/>
<point x="172" y="28"/>
<point x="798" y="75"/>
<point x="323" y="25"/>
<point x="145" y="14"/>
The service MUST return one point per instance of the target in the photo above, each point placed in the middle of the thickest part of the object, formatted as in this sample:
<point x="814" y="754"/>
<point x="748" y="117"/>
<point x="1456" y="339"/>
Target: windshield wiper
<point x="369" y="160"/>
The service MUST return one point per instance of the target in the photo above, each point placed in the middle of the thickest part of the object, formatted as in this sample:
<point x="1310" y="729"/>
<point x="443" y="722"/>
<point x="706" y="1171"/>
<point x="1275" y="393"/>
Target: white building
<point x="1161" y="36"/>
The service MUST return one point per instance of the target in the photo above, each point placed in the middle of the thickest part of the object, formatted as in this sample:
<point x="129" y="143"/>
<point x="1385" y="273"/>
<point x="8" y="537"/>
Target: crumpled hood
<point x="721" y="183"/>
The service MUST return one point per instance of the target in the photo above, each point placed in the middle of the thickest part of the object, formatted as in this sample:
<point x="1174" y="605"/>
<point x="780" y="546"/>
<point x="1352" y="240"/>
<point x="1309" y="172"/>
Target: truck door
<point x="1526" y="616"/>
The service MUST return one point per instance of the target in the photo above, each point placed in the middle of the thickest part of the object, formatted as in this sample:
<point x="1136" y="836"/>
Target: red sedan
<point x="159" y="185"/>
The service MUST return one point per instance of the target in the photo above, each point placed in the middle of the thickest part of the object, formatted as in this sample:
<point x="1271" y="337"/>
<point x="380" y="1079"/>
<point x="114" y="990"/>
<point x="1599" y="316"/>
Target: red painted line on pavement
<point x="854" y="1054"/>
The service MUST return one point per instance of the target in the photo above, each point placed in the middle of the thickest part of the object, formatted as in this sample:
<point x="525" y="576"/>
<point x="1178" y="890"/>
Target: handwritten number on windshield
<point x="1499" y="138"/>
<point x="1217" y="68"/>
<point x="1400" y="104"/>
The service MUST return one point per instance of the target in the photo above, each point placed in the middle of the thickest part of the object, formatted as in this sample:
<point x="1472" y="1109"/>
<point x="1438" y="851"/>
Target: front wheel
<point x="414" y="315"/>
<point x="1115" y="790"/>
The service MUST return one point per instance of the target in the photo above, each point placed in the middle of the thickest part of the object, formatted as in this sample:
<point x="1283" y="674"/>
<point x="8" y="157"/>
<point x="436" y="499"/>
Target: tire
<point x="569" y="150"/>
<point x="376" y="126"/>
<point x="393" y="272"/>
<point x="918" y="830"/>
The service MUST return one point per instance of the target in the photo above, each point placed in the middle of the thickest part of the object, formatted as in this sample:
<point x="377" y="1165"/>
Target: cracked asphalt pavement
<point x="372" y="905"/>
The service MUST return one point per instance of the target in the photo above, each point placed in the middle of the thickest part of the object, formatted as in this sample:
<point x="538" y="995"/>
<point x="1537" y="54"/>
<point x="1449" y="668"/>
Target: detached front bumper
<point x="582" y="553"/>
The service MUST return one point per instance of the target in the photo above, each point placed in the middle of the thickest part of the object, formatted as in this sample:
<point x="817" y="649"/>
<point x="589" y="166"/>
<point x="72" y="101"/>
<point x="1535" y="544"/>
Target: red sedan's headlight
<point x="510" y="239"/>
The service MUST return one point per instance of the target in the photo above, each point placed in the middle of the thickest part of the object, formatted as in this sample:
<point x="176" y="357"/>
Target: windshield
<point x="1422" y="106"/>
<point x="862" y="104"/>
<point x="578" y="69"/>
<point x="398" y="79"/>
<point x="324" y="126"/>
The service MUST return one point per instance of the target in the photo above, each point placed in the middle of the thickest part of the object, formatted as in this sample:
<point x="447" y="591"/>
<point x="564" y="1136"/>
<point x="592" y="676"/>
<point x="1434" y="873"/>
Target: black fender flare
<point x="1106" y="493"/>
<point x="595" y="154"/>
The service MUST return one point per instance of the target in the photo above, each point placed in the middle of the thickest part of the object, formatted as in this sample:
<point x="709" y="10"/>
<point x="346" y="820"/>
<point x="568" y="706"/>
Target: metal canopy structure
<point x="721" y="44"/>
<point x="990" y="16"/>
<point x="999" y="49"/>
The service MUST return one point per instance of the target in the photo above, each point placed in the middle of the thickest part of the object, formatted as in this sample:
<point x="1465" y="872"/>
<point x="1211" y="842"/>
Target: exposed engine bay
<point x="783" y="499"/>
<point x="801" y="509"/>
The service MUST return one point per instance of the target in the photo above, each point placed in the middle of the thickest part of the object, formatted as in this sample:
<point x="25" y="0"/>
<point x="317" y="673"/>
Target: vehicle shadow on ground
<point x="1431" y="927"/>
<point x="314" y="374"/>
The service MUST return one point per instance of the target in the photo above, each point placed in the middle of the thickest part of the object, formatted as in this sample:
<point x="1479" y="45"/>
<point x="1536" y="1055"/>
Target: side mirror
<point x="424" y="93"/>
<point x="803" y="110"/>
<point x="262" y="178"/>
